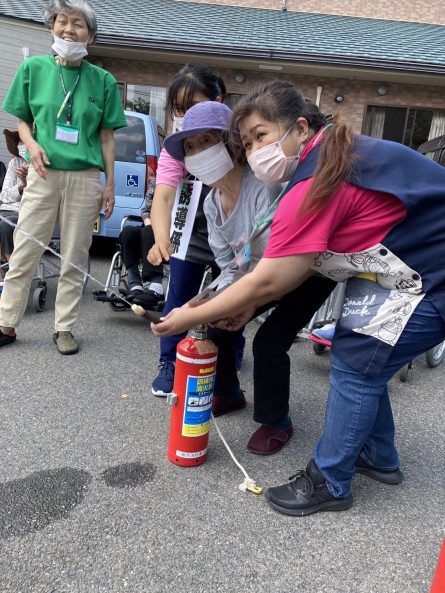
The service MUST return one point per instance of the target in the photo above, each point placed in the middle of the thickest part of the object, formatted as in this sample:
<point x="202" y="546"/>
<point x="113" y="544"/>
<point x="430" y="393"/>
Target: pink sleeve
<point x="170" y="171"/>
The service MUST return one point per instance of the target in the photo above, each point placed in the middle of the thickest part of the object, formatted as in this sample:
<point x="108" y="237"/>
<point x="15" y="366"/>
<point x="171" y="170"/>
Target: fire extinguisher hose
<point x="248" y="484"/>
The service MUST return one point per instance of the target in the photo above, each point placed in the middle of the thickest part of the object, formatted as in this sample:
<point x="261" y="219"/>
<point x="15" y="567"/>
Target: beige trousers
<point x="74" y="199"/>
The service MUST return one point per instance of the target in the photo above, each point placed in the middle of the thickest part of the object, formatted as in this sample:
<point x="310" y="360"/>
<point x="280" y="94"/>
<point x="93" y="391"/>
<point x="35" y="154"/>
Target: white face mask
<point x="210" y="165"/>
<point x="22" y="150"/>
<point x="177" y="124"/>
<point x="69" y="50"/>
<point x="271" y="165"/>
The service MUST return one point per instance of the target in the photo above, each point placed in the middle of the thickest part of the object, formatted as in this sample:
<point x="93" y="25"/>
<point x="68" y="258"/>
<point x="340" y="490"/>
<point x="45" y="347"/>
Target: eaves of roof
<point x="208" y="29"/>
<point x="271" y="54"/>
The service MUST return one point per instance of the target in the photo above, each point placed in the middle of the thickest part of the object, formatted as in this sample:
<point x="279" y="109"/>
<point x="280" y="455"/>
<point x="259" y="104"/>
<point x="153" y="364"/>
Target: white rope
<point x="248" y="482"/>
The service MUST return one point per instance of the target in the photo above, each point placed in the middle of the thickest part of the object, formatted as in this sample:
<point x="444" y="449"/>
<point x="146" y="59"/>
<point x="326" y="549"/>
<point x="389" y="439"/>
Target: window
<point x="434" y="149"/>
<point x="121" y="87"/>
<point x="417" y="127"/>
<point x="232" y="99"/>
<point x="147" y="99"/>
<point x="409" y="126"/>
<point x="130" y="141"/>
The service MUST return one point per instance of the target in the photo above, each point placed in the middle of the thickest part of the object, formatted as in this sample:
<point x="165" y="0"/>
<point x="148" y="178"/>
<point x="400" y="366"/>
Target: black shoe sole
<point x="390" y="478"/>
<point x="5" y="339"/>
<point x="339" y="504"/>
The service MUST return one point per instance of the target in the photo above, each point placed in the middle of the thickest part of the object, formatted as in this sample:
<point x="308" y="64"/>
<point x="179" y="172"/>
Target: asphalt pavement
<point x="89" y="502"/>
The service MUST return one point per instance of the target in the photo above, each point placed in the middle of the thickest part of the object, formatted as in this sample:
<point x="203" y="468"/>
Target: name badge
<point x="68" y="134"/>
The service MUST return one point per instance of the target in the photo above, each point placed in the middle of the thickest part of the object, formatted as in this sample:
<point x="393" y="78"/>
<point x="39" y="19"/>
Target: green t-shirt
<point x="36" y="95"/>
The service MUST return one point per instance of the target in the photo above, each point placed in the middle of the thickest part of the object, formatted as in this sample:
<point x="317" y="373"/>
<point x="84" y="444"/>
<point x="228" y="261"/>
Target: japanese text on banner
<point x="183" y="216"/>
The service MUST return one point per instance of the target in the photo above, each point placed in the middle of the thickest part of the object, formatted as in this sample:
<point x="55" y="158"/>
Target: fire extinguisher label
<point x="198" y="405"/>
<point x="194" y="455"/>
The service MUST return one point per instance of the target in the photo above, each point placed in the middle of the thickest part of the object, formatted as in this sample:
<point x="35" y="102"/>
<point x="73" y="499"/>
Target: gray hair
<point x="53" y="8"/>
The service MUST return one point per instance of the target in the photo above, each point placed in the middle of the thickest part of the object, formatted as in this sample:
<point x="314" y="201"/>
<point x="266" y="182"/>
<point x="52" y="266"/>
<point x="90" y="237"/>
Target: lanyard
<point x="68" y="96"/>
<point x="265" y="219"/>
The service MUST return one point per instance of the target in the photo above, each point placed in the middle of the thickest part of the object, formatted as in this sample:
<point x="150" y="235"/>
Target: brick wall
<point x="418" y="11"/>
<point x="358" y="94"/>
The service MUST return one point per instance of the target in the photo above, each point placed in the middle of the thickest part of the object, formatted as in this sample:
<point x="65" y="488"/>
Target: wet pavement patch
<point x="128" y="475"/>
<point x="30" y="504"/>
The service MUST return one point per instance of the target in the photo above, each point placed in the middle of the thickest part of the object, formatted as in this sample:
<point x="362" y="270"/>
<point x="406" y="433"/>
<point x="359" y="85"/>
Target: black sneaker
<point x="135" y="291"/>
<point x="306" y="493"/>
<point x="391" y="477"/>
<point x="149" y="299"/>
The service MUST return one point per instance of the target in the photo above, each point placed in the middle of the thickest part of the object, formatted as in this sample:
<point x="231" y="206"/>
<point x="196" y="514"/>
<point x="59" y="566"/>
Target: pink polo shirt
<point x="170" y="171"/>
<point x="353" y="220"/>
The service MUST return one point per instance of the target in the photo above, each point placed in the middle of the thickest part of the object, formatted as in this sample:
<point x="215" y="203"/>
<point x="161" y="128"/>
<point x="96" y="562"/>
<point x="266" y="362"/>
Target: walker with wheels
<point x="49" y="267"/>
<point x="330" y="311"/>
<point x="327" y="313"/>
<point x="434" y="358"/>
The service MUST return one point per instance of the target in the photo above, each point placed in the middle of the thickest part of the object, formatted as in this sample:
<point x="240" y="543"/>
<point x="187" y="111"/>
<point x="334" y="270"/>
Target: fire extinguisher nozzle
<point x="152" y="316"/>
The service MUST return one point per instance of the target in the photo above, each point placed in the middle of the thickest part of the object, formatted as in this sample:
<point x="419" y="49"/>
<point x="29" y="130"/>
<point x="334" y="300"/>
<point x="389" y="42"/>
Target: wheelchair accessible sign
<point x="132" y="180"/>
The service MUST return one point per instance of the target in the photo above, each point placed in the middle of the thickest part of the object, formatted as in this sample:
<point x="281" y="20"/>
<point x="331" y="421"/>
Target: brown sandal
<point x="267" y="440"/>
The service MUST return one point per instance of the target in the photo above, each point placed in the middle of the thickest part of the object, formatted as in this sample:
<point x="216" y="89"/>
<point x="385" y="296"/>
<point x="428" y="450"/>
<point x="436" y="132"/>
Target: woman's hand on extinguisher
<point x="234" y="323"/>
<point x="176" y="322"/>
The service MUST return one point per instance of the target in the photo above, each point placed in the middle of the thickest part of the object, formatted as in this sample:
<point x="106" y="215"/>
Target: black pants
<point x="7" y="231"/>
<point x="136" y="242"/>
<point x="226" y="381"/>
<point x="271" y="366"/>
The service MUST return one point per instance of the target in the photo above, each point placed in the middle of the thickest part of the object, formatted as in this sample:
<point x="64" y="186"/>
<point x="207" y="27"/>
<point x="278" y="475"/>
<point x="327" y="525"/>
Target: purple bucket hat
<point x="208" y="115"/>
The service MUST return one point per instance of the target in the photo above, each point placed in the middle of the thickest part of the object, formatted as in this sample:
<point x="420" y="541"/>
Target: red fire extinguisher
<point x="191" y="400"/>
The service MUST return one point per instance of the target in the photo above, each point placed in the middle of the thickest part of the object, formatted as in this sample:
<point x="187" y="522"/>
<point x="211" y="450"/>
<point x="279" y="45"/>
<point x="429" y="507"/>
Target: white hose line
<point x="64" y="260"/>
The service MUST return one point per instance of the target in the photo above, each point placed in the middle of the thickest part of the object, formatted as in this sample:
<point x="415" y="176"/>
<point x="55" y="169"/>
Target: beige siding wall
<point x="419" y="11"/>
<point x="13" y="38"/>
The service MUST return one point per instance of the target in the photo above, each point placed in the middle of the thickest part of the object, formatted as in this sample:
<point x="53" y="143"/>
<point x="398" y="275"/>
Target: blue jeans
<point x="185" y="280"/>
<point x="359" y="418"/>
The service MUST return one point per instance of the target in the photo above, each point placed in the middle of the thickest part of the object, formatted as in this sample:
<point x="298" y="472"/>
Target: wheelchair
<point x="330" y="311"/>
<point x="327" y="313"/>
<point x="116" y="288"/>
